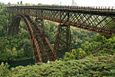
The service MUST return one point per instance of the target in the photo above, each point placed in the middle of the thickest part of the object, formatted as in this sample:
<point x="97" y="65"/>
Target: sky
<point x="67" y="2"/>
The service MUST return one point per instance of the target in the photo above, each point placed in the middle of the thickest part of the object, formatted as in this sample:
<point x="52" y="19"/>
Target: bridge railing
<point x="88" y="10"/>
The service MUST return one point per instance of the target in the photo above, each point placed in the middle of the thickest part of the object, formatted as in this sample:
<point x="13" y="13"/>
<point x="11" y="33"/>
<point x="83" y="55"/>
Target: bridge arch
<point x="40" y="55"/>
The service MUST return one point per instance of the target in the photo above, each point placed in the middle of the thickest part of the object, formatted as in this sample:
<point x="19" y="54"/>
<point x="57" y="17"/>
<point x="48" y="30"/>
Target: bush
<point x="90" y="67"/>
<point x="4" y="71"/>
<point x="75" y="54"/>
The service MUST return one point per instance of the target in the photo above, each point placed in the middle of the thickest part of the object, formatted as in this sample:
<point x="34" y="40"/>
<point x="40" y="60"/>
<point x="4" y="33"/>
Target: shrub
<point x="4" y="71"/>
<point x="75" y="54"/>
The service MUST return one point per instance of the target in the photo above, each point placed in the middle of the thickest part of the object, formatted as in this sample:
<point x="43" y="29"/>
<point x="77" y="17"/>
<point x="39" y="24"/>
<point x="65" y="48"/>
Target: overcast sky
<point x="67" y="2"/>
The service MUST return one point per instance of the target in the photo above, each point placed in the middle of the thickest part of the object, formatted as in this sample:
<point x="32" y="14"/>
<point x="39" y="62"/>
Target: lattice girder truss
<point x="93" y="19"/>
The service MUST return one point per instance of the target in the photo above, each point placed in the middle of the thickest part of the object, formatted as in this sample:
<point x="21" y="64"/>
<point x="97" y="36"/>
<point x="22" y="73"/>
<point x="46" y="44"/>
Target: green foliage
<point x="98" y="45"/>
<point x="12" y="48"/>
<point x="50" y="29"/>
<point x="89" y="67"/>
<point x="75" y="54"/>
<point x="3" y="19"/>
<point x="79" y="36"/>
<point x="4" y="71"/>
<point x="69" y="56"/>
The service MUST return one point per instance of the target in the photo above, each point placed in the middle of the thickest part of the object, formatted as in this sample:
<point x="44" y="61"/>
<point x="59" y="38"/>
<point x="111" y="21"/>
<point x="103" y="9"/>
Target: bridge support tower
<point x="63" y="38"/>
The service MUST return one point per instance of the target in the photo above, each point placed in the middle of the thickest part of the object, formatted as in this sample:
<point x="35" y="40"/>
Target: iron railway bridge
<point x="89" y="18"/>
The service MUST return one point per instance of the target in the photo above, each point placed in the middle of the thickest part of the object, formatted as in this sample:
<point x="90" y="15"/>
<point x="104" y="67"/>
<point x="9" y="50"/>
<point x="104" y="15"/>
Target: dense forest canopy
<point x="92" y="54"/>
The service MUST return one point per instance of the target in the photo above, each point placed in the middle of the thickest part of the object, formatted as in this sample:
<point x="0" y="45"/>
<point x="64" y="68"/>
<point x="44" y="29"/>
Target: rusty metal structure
<point x="90" y="18"/>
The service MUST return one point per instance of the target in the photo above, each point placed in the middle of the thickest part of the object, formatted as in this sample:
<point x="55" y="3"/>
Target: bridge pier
<point x="63" y="38"/>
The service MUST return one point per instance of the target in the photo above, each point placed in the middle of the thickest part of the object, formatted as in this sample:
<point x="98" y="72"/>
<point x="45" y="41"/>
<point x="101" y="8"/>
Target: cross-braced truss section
<point x="93" y="19"/>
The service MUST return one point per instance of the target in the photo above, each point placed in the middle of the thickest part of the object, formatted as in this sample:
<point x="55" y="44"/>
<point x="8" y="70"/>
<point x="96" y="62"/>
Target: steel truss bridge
<point x="93" y="19"/>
